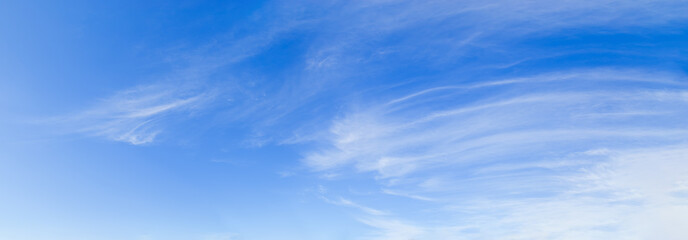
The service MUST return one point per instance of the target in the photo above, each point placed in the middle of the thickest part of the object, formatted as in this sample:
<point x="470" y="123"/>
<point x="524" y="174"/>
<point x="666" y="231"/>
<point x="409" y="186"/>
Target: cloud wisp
<point x="451" y="105"/>
<point x="347" y="36"/>
<point x="138" y="115"/>
<point x="403" y="134"/>
<point x="580" y="157"/>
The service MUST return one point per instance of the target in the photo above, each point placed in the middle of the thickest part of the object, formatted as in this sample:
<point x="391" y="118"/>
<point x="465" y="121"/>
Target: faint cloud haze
<point x="380" y="120"/>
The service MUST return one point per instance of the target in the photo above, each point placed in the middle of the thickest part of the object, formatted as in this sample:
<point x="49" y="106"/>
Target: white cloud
<point x="417" y="197"/>
<point x="628" y="194"/>
<point x="400" y="138"/>
<point x="355" y="34"/>
<point x="138" y="115"/>
<point x="577" y="154"/>
<point x="348" y="203"/>
<point x="524" y="164"/>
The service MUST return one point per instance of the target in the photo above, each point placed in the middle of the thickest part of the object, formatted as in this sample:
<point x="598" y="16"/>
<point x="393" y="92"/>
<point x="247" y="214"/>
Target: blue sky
<point x="380" y="120"/>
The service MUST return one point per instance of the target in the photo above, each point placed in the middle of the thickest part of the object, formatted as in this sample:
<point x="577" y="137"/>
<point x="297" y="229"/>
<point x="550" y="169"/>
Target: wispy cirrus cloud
<point x="491" y="150"/>
<point x="344" y="36"/>
<point x="355" y="34"/>
<point x="348" y="203"/>
<point x="138" y="115"/>
<point x="622" y="193"/>
<point x="491" y="156"/>
<point x="525" y="160"/>
<point x="427" y="127"/>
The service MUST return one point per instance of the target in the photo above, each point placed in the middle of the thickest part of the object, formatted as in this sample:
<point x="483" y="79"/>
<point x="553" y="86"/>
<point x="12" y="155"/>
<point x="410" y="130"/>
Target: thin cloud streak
<point x="348" y="203"/>
<point x="391" y="136"/>
<point x="624" y="196"/>
<point x="486" y="156"/>
<point x="137" y="115"/>
<point x="514" y="166"/>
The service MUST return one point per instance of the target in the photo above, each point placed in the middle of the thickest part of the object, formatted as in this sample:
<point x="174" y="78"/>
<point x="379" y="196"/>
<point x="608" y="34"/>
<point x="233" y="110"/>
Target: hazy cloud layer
<point x="495" y="119"/>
